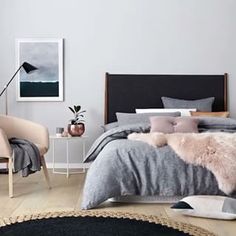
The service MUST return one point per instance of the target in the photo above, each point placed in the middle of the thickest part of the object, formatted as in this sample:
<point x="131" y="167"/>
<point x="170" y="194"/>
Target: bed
<point x="123" y="170"/>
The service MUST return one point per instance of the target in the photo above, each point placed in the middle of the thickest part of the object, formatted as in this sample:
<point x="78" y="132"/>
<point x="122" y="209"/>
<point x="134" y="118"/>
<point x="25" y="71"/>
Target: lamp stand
<point x="6" y="103"/>
<point x="5" y="90"/>
<point x="28" y="68"/>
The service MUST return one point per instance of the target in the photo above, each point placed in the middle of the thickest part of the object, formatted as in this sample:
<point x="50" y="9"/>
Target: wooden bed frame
<point x="126" y="92"/>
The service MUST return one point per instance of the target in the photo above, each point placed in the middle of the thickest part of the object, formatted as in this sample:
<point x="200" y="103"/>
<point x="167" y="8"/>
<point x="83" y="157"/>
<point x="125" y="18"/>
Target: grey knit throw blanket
<point x="26" y="156"/>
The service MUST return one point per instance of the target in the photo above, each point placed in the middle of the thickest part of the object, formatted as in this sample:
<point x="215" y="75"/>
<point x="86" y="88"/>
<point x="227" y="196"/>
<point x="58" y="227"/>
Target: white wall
<point x="125" y="36"/>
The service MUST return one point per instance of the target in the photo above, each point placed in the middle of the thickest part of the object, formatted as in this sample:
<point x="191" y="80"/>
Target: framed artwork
<point x="46" y="83"/>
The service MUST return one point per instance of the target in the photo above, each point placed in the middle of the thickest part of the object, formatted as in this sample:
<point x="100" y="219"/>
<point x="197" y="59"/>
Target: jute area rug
<point x="96" y="223"/>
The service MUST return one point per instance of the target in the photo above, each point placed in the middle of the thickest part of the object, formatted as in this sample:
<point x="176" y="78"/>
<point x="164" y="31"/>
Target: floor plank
<point x="31" y="195"/>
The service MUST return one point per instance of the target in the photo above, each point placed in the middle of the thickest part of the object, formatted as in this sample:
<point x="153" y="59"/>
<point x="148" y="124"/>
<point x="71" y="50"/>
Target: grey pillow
<point x="200" y="104"/>
<point x="109" y="126"/>
<point x="133" y="118"/>
<point x="217" y="122"/>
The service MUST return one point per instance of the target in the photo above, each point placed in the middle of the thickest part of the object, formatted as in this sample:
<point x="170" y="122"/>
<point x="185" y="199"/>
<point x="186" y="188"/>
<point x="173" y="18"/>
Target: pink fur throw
<point x="215" y="151"/>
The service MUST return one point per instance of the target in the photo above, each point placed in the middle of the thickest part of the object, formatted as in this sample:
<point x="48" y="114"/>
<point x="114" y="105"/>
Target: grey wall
<point x="125" y="36"/>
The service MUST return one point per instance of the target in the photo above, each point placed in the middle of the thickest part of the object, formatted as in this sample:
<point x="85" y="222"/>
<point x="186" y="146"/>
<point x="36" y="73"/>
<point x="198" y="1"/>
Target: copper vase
<point x="76" y="130"/>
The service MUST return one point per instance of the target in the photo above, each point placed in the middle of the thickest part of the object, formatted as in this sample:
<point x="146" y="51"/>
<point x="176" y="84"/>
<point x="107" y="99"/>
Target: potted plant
<point x="76" y="126"/>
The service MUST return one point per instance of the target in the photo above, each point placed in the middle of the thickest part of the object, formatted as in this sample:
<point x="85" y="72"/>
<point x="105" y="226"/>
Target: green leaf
<point x="71" y="109"/>
<point x="77" y="108"/>
<point x="82" y="112"/>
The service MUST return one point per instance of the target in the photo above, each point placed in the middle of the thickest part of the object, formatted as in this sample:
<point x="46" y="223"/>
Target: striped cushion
<point x="216" y="207"/>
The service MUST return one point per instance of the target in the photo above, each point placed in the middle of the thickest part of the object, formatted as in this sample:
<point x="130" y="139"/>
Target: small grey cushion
<point x="109" y="126"/>
<point x="133" y="118"/>
<point x="216" y="207"/>
<point x="201" y="104"/>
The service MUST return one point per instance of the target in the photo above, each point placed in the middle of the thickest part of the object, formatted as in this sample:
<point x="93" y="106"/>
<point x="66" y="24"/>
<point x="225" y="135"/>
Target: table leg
<point x="84" y="145"/>
<point x="53" y="156"/>
<point x="67" y="158"/>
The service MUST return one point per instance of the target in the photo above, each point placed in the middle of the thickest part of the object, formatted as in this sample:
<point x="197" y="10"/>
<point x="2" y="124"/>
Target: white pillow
<point x="184" y="112"/>
<point x="215" y="207"/>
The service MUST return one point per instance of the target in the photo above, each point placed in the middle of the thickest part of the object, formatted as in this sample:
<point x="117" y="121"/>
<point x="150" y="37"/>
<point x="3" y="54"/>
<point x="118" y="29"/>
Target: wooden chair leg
<point x="45" y="170"/>
<point x="10" y="177"/>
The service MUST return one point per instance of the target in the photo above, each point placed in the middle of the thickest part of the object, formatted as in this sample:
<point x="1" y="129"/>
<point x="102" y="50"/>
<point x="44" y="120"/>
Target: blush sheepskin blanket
<point x="214" y="151"/>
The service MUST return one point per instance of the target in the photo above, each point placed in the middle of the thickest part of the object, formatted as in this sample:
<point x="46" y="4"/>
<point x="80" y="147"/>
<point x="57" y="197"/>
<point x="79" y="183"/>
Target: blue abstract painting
<point x="46" y="82"/>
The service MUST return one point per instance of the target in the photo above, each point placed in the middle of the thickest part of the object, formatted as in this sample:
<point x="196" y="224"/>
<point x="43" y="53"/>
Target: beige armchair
<point x="20" y="128"/>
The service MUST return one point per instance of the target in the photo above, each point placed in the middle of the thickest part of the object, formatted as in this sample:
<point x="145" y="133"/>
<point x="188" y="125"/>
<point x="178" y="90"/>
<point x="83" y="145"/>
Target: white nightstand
<point x="67" y="141"/>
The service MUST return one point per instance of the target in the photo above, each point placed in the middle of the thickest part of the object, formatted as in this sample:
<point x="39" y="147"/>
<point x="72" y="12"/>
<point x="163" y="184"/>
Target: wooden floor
<point x="32" y="196"/>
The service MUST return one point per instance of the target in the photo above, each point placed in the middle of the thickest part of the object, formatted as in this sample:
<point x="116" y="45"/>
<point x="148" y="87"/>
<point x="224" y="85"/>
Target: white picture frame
<point x="46" y="83"/>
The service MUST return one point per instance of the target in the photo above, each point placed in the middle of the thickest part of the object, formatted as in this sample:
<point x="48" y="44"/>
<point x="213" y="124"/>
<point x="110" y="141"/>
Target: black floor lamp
<point x="28" y="69"/>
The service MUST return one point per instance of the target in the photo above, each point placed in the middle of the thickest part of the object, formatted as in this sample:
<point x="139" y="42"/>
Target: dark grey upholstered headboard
<point x="126" y="92"/>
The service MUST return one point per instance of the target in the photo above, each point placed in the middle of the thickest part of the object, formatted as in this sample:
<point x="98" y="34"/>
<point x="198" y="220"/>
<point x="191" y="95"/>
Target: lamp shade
<point x="28" y="67"/>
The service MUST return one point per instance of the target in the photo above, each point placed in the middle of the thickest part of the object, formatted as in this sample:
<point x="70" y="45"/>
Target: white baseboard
<point x="71" y="165"/>
<point x="59" y="165"/>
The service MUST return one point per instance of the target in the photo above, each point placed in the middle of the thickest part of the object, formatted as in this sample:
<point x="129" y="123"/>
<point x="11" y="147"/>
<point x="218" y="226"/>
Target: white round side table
<point x="67" y="140"/>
